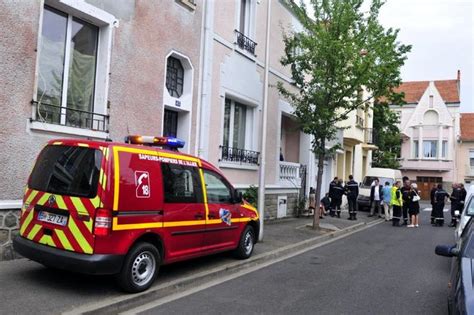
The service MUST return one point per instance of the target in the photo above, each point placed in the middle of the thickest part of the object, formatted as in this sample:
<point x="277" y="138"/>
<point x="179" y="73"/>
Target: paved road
<point x="381" y="270"/>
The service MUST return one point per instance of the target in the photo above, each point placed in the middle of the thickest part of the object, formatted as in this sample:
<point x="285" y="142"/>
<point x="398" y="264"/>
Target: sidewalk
<point x="282" y="238"/>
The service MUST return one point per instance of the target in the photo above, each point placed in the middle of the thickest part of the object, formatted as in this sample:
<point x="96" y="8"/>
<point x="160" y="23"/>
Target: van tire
<point x="246" y="244"/>
<point x="140" y="268"/>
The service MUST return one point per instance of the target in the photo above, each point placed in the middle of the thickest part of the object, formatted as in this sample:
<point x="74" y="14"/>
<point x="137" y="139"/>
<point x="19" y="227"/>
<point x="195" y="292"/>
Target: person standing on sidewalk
<point x="332" y="194"/>
<point x="387" y="198"/>
<point x="312" y="201"/>
<point x="376" y="196"/>
<point x="414" y="205"/>
<point x="463" y="196"/>
<point x="396" y="202"/>
<point x="405" y="190"/>
<point x="338" y="193"/>
<point x="455" y="198"/>
<point x="433" y="203"/>
<point x="440" y="198"/>
<point x="352" y="191"/>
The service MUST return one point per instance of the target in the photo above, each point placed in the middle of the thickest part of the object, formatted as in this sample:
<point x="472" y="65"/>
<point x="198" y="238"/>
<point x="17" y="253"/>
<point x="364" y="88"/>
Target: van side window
<point x="218" y="190"/>
<point x="181" y="184"/>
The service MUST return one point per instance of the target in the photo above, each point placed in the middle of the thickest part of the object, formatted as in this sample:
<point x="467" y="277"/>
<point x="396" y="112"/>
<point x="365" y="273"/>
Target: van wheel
<point x="140" y="268"/>
<point x="246" y="244"/>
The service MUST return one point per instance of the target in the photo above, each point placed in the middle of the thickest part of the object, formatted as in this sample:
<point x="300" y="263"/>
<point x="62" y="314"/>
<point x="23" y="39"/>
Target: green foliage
<point x="251" y="195"/>
<point x="388" y="137"/>
<point x="341" y="51"/>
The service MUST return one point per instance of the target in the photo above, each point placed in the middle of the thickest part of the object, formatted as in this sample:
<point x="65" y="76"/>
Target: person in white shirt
<point x="376" y="196"/>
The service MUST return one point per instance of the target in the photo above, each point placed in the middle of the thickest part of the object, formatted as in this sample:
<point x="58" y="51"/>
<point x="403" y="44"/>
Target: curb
<point x="128" y="301"/>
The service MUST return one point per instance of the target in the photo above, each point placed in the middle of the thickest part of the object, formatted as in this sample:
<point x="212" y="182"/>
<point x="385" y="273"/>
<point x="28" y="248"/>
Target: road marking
<point x="212" y="283"/>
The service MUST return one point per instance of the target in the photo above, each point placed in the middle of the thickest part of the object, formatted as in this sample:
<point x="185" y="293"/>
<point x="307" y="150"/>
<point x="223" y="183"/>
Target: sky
<point x="441" y="33"/>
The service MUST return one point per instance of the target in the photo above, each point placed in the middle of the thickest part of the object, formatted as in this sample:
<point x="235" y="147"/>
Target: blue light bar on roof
<point x="166" y="142"/>
<point x="174" y="142"/>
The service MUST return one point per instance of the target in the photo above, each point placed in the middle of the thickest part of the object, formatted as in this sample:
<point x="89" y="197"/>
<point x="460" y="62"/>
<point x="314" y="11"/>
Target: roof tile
<point x="414" y="90"/>
<point x="467" y="126"/>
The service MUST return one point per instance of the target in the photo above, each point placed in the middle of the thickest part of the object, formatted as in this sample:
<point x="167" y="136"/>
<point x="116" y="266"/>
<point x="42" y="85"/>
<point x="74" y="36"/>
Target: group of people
<point x="399" y="201"/>
<point x="332" y="201"/>
<point x="438" y="199"/>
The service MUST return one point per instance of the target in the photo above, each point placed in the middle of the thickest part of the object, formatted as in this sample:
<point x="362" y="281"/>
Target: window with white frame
<point x="235" y="123"/>
<point x="69" y="61"/>
<point x="415" y="149"/>
<point x="471" y="158"/>
<point x="245" y="31"/>
<point x="444" y="151"/>
<point x="67" y="69"/>
<point x="245" y="11"/>
<point x="430" y="149"/>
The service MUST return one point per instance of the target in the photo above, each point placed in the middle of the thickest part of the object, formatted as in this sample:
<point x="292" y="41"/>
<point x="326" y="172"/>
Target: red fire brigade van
<point x="125" y="209"/>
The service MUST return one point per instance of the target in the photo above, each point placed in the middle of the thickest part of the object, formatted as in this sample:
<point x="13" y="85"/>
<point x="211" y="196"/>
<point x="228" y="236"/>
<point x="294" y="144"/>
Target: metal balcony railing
<point x="64" y="116"/>
<point x="241" y="156"/>
<point x="245" y="43"/>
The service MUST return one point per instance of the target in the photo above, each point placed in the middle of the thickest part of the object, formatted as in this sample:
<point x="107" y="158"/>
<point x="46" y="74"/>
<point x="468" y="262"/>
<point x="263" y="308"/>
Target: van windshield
<point x="66" y="170"/>
<point x="368" y="180"/>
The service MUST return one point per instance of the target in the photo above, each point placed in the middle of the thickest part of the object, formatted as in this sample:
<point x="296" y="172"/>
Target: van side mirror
<point x="238" y="197"/>
<point x="446" y="250"/>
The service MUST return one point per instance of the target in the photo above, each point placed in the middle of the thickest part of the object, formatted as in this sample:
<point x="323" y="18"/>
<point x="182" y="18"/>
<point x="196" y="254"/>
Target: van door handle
<point x="211" y="216"/>
<point x="198" y="216"/>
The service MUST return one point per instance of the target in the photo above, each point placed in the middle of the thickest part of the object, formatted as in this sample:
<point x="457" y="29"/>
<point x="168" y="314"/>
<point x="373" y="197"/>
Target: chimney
<point x="459" y="83"/>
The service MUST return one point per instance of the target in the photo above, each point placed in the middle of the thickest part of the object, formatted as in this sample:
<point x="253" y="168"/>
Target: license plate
<point x="52" y="218"/>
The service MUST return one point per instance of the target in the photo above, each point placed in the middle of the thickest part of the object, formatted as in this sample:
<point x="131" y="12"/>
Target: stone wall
<point x="9" y="229"/>
<point x="271" y="204"/>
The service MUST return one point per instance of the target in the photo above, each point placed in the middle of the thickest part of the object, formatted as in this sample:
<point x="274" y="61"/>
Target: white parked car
<point x="467" y="213"/>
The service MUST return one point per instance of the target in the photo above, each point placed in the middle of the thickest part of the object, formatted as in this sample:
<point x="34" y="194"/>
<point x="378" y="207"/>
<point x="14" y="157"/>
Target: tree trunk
<point x="319" y="180"/>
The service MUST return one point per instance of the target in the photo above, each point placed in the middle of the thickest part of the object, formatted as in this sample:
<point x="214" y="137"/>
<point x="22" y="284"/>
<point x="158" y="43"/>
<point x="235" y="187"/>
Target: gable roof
<point x="448" y="89"/>
<point x="467" y="127"/>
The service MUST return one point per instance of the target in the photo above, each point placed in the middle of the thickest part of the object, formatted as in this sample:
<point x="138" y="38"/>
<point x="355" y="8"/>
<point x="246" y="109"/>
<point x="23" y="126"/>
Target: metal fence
<point x="69" y="116"/>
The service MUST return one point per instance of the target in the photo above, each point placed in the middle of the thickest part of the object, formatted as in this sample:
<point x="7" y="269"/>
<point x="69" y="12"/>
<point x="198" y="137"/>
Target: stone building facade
<point x="194" y="69"/>
<point x="132" y="67"/>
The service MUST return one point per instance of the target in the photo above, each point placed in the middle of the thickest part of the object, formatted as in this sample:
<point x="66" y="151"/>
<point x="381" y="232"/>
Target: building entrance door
<point x="425" y="184"/>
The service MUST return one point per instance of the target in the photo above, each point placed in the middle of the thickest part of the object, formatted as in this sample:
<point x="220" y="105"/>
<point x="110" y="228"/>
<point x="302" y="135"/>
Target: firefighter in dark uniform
<point x="433" y="203"/>
<point x="332" y="193"/>
<point x="336" y="200"/>
<point x="352" y="191"/>
<point x="463" y="196"/>
<point x="440" y="198"/>
<point x="455" y="198"/>
<point x="405" y="190"/>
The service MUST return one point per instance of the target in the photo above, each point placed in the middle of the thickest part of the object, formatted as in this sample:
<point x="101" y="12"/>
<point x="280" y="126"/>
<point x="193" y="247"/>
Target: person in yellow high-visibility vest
<point x="397" y="203"/>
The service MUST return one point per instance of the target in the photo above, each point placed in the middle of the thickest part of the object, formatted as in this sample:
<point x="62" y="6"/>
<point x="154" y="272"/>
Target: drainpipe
<point x="263" y="141"/>
<point x="204" y="102"/>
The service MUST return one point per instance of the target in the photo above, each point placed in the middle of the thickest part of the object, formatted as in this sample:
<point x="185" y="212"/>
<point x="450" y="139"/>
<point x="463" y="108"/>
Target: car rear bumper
<point x="98" y="264"/>
<point x="363" y="201"/>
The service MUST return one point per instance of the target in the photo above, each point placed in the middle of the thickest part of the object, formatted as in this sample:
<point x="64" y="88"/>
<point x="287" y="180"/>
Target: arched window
<point x="174" y="77"/>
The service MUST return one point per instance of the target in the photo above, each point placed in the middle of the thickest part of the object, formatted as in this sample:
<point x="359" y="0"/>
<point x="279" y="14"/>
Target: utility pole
<point x="263" y="140"/>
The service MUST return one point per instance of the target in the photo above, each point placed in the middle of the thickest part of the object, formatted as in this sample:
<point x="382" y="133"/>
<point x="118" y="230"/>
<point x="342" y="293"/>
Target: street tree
<point x="341" y="52"/>
<point x="387" y="136"/>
